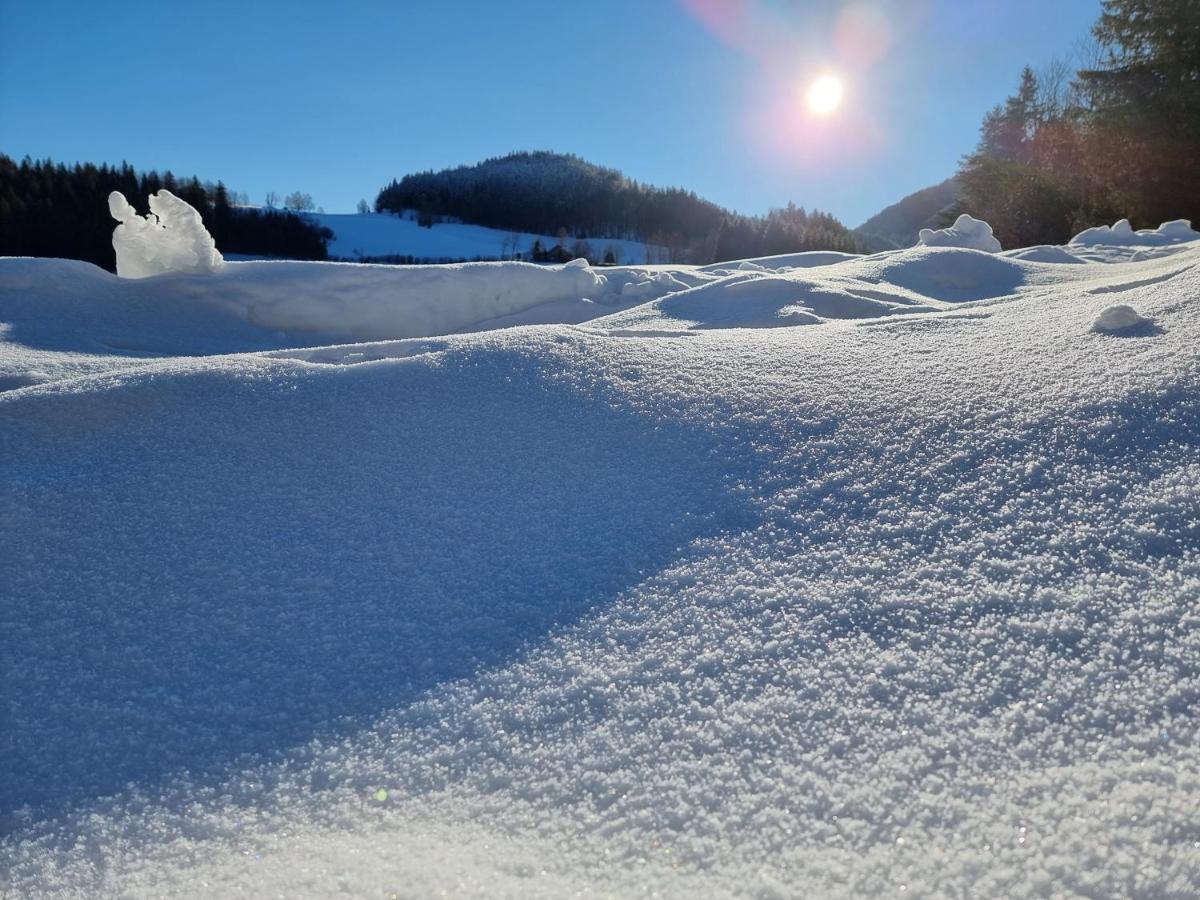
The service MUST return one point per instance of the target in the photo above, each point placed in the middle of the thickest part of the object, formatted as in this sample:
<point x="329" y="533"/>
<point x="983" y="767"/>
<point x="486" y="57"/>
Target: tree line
<point x="1115" y="135"/>
<point x="554" y="193"/>
<point x="50" y="209"/>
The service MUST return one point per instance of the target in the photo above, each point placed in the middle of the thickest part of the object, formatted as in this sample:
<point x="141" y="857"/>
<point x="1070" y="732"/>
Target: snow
<point x="383" y="234"/>
<point x="675" y="602"/>
<point x="974" y="234"/>
<point x="349" y="302"/>
<point x="170" y="238"/>
<point x="1044" y="253"/>
<point x="805" y="260"/>
<point x="1121" y="318"/>
<point x="1121" y="234"/>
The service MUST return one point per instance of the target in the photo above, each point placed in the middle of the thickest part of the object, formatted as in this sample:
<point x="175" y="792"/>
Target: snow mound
<point x="72" y="317"/>
<point x="651" y="285"/>
<point x="754" y="300"/>
<point x="170" y="238"/>
<point x="968" y="232"/>
<point x="920" y="279"/>
<point x="950" y="274"/>
<point x="1121" y="234"/>
<point x="807" y="259"/>
<point x="1044" y="253"/>
<point x="1122" y="318"/>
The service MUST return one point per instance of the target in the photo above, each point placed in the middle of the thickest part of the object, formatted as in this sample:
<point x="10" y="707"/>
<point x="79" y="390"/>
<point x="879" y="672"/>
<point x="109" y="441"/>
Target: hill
<point x="897" y="226"/>
<point x="554" y="193"/>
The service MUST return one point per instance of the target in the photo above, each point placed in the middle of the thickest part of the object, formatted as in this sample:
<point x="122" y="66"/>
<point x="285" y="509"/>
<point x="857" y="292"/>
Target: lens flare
<point x="862" y="35"/>
<point x="825" y="95"/>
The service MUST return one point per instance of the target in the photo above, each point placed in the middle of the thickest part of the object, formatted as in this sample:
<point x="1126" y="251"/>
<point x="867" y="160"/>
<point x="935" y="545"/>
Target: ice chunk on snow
<point x="1121" y="317"/>
<point x="967" y="231"/>
<point x="171" y="238"/>
<point x="1121" y="234"/>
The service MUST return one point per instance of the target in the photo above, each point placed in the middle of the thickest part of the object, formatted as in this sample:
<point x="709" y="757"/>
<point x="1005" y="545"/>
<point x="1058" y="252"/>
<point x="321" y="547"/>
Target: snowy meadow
<point x="811" y="575"/>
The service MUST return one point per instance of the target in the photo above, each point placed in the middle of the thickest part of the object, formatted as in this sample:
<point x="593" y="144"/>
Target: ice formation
<point x="967" y="231"/>
<point x="1121" y="234"/>
<point x="170" y="238"/>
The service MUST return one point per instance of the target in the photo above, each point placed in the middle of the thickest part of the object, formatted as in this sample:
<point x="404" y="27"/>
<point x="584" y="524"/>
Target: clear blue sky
<point x="335" y="99"/>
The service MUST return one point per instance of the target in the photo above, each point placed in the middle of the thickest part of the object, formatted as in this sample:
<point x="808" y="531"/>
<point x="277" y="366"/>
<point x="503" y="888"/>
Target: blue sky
<point x="335" y="99"/>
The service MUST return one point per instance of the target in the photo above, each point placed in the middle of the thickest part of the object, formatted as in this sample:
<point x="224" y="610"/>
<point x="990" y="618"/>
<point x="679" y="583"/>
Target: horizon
<point x="330" y="108"/>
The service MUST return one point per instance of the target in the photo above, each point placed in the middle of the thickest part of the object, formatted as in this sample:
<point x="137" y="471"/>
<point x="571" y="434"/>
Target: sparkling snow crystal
<point x="170" y="239"/>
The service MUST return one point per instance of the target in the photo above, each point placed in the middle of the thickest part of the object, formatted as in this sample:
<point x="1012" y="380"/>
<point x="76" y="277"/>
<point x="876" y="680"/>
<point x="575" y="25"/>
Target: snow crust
<point x="170" y="238"/>
<point x="1121" y="234"/>
<point x="968" y="232"/>
<point x="674" y="604"/>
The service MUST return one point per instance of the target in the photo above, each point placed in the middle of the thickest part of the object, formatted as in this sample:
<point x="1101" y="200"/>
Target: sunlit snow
<point x="816" y="575"/>
<point x="965" y="232"/>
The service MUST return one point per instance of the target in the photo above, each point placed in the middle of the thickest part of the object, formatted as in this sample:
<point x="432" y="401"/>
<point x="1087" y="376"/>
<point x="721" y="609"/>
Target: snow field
<point x="671" y="603"/>
<point x="383" y="234"/>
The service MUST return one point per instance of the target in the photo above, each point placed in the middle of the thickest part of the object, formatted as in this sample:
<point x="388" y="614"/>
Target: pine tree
<point x="1150" y="75"/>
<point x="1146" y="99"/>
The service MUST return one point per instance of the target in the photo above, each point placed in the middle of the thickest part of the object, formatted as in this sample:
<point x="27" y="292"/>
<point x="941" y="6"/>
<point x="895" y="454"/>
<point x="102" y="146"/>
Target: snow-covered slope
<point x="664" y="603"/>
<point x="383" y="234"/>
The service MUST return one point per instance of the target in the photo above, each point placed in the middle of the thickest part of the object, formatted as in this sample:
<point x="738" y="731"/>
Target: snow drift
<point x="1121" y="234"/>
<point x="357" y="302"/>
<point x="671" y="604"/>
<point x="968" y="232"/>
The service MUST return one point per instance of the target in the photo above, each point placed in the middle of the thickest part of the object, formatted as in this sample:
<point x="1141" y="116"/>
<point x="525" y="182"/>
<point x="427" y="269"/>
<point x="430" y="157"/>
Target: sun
<point x="825" y="95"/>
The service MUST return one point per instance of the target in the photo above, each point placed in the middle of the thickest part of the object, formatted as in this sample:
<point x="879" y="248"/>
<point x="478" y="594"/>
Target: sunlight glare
<point x="825" y="95"/>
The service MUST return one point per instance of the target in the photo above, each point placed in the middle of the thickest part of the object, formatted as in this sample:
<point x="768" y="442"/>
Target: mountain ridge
<point x="896" y="226"/>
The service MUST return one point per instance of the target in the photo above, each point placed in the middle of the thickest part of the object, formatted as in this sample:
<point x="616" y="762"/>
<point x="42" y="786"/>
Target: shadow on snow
<point x="208" y="566"/>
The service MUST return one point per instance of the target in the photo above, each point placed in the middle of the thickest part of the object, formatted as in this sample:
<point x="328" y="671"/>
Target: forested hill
<point x="549" y="193"/>
<point x="898" y="225"/>
<point x="50" y="209"/>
